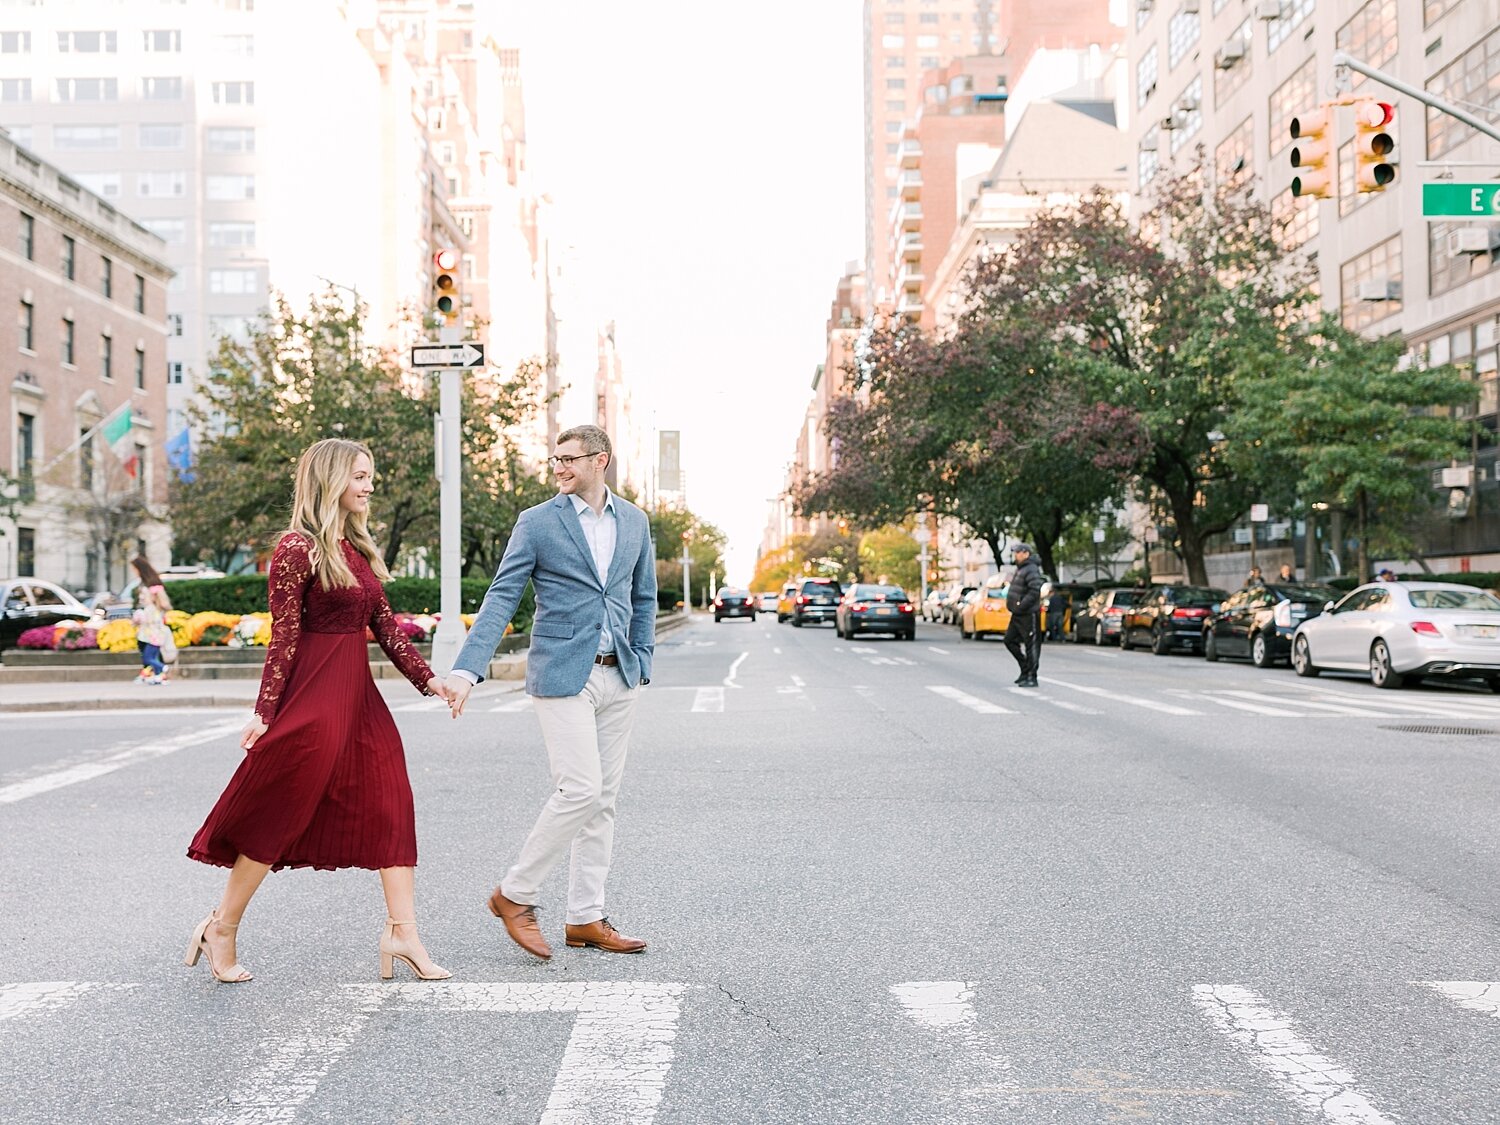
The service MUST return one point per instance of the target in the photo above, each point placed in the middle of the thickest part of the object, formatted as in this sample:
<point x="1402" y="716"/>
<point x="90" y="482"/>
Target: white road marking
<point x="1418" y="705"/>
<point x="512" y="706"/>
<point x="867" y="693"/>
<point x="1475" y="995"/>
<point x="1032" y="693"/>
<point x="1320" y="1085"/>
<point x="283" y="1071"/>
<point x="947" y="1006"/>
<point x="709" y="699"/>
<point x="1255" y="708"/>
<point x="17" y="1000"/>
<point x="1337" y="708"/>
<point x="423" y="705"/>
<point x="617" y="1059"/>
<point x="128" y="756"/>
<point x="939" y="651"/>
<point x="799" y="681"/>
<point x="1135" y="701"/>
<point x="776" y="651"/>
<point x="734" y="670"/>
<point x="972" y="702"/>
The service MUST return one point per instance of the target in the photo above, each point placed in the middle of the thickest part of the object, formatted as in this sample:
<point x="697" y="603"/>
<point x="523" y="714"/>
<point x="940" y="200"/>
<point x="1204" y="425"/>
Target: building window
<point x="88" y="89"/>
<point x="87" y="42"/>
<point x="241" y="46"/>
<point x="140" y="369"/>
<point x="1434" y="10"/>
<point x="1228" y="79"/>
<point x="927" y="17"/>
<point x="895" y="83"/>
<point x="229" y="138"/>
<point x="174" y="324"/>
<point x="893" y="42"/>
<point x="1370" y="36"/>
<point x="1298" y="94"/>
<point x="174" y="374"/>
<point x="1146" y="70"/>
<point x="86" y="138"/>
<point x="1370" y="285"/>
<point x="28" y="237"/>
<point x="223" y="234"/>
<point x="161" y="138"/>
<point x="160" y="185"/>
<point x="106" y="277"/>
<point x="15" y="42"/>
<point x="168" y="230"/>
<point x="161" y="42"/>
<point x="1473" y="77"/>
<point x="239" y="283"/>
<point x="1182" y="32"/>
<point x="106" y="184"/>
<point x="1189" y="120"/>
<point x="1148" y="160"/>
<point x="224" y="188"/>
<point x="233" y="93"/>
<point x="86" y="458"/>
<point x="1447" y="270"/>
<point x="26" y="455"/>
<point x="1293" y="12"/>
<point x="142" y="467"/>
<point x="138" y="301"/>
<point x="1232" y="158"/>
<point x="106" y="357"/>
<point x="167" y="89"/>
<point x="67" y="340"/>
<point x="15" y="89"/>
<point x="27" y="326"/>
<point x="895" y="105"/>
<point x="69" y="257"/>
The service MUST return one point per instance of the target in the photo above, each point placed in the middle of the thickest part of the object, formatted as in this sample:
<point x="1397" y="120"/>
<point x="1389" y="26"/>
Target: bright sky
<point x="707" y="161"/>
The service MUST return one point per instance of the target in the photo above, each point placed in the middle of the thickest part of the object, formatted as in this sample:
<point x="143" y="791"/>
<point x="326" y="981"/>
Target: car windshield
<point x="881" y="593"/>
<point x="1317" y="594"/>
<point x="821" y="586"/>
<point x="1455" y="599"/>
<point x="1194" y="597"/>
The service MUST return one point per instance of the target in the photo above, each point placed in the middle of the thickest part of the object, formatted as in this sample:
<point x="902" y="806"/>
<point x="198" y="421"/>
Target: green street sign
<point x="1473" y="201"/>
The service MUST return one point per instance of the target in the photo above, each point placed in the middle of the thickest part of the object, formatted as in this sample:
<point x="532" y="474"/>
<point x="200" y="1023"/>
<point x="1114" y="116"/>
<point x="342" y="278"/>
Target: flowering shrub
<point x="416" y="627"/>
<point x="43" y="636"/>
<point x="117" y="636"/>
<point x="252" y="630"/>
<point x="211" y="628"/>
<point x="76" y="635"/>
<point x="177" y="621"/>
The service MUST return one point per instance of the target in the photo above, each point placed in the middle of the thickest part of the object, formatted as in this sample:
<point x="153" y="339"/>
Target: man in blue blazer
<point x="589" y="556"/>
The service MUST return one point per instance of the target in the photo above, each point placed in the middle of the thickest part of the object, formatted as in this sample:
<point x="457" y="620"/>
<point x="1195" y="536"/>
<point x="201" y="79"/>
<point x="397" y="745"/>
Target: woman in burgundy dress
<point x="323" y="783"/>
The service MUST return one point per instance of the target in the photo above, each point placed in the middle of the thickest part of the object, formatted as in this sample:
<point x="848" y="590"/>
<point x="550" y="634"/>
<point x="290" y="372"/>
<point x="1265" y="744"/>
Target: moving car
<point x="731" y="601"/>
<point x="1170" y="617"/>
<point x="29" y="603"/>
<point x="953" y="603"/>
<point x="932" y="604"/>
<point x="766" y="602"/>
<point x="1397" y="631"/>
<point x="870" y="608"/>
<point x="986" y="613"/>
<point x="817" y="600"/>
<point x="786" y="601"/>
<point x="1099" y="619"/>
<point x="1259" y="621"/>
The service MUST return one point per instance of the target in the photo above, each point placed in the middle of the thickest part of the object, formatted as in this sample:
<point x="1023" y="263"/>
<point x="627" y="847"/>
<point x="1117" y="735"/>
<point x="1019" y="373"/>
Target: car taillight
<point x="718" y="601"/>
<point x="1189" y="612"/>
<point x="906" y="608"/>
<point x="1113" y="611"/>
<point x="1425" y="629"/>
<point x="801" y="599"/>
<point x="859" y="607"/>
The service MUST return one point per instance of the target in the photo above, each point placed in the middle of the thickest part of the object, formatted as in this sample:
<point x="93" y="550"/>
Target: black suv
<point x="817" y="600"/>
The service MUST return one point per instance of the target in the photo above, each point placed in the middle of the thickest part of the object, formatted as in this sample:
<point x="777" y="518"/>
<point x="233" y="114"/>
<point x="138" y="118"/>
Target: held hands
<point x="456" y="691"/>
<point x="252" y="732"/>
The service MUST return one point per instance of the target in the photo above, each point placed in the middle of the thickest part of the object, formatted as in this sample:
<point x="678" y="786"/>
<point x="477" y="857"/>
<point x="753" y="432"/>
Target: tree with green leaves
<point x="670" y="529"/>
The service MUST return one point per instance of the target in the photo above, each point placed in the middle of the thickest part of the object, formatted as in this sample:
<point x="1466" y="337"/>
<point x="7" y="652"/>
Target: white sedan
<point x="1399" y="630"/>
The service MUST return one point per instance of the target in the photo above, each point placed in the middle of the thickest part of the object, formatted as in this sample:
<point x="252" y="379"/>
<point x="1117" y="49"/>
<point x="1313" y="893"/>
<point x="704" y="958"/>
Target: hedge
<point x="246" y="593"/>
<point x="1484" y="580"/>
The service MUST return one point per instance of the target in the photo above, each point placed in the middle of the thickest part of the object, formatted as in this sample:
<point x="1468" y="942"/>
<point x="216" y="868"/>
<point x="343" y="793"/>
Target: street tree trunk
<point x="1362" y="515"/>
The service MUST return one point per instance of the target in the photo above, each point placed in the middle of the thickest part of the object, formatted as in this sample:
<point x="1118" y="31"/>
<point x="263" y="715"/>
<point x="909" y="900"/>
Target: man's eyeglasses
<point x="559" y="462"/>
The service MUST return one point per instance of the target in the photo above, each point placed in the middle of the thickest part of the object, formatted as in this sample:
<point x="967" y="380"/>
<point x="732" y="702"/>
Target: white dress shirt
<point x="599" y="530"/>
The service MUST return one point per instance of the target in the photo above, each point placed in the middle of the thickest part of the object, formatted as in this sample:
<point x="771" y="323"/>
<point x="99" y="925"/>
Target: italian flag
<point x="116" y="431"/>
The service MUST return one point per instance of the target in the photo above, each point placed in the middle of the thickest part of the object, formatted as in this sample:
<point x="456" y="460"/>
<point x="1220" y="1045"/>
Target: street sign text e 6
<point x="1463" y="200"/>
<point x="447" y="355"/>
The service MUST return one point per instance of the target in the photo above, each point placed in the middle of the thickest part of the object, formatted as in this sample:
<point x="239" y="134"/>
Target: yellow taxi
<point x="986" y="613"/>
<point x="786" y="602"/>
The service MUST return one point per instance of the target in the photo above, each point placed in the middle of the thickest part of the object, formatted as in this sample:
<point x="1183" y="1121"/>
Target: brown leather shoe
<point x="520" y="924"/>
<point x="601" y="935"/>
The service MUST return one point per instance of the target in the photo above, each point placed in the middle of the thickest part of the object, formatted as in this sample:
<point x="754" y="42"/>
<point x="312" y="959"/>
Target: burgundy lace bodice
<point x="300" y="603"/>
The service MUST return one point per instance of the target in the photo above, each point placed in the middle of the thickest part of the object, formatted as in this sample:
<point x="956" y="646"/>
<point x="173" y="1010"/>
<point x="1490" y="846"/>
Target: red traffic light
<point x="446" y="259"/>
<point x="1373" y="114"/>
<point x="445" y="282"/>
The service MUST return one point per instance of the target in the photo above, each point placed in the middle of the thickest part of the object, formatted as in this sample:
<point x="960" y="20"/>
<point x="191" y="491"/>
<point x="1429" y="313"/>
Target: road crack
<point x="744" y="1007"/>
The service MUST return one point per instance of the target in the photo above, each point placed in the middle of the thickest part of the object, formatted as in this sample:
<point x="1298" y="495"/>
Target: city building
<point x="83" y="473"/>
<point x="1228" y="78"/>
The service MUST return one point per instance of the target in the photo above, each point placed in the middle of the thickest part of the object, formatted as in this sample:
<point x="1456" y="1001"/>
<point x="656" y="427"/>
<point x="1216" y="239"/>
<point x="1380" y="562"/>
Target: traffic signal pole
<point x="1342" y="59"/>
<point x="450" y="633"/>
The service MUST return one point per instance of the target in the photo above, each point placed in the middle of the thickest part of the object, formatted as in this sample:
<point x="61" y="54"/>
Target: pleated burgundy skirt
<point x="326" y="785"/>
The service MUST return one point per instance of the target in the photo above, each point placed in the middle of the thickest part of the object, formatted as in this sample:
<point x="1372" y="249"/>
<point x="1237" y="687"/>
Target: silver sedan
<point x="1397" y="631"/>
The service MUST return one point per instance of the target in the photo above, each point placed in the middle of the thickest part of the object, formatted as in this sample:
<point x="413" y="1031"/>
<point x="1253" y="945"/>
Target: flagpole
<point x="83" y="437"/>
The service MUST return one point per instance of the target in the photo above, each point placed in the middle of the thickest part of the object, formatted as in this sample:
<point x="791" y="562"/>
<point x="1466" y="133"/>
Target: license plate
<point x="1480" y="632"/>
<point x="884" y="612"/>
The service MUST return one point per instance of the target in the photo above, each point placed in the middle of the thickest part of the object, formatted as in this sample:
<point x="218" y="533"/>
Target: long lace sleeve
<point x="291" y="571"/>
<point x="397" y="645"/>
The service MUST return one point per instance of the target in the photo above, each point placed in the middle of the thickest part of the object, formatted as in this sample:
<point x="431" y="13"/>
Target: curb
<point x="157" y="703"/>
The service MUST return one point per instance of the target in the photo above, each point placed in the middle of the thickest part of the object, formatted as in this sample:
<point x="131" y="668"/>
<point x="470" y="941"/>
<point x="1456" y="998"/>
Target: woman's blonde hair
<point x="323" y="473"/>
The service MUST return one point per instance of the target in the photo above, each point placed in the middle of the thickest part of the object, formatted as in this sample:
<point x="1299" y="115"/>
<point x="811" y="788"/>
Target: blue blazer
<point x="548" y="549"/>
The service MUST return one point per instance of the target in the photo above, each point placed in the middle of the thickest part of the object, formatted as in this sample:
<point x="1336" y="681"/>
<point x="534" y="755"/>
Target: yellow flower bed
<point x="211" y="628"/>
<point x="262" y="635"/>
<point x="178" y="622"/>
<point x="117" y="636"/>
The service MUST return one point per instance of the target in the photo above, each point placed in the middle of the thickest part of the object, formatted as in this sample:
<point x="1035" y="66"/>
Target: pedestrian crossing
<point x="621" y="1056"/>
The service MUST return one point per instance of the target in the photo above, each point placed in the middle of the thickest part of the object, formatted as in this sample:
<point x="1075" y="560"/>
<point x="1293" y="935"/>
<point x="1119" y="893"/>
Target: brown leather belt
<point x="608" y="659"/>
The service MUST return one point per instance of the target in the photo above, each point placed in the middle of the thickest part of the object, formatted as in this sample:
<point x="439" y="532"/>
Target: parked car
<point x="1258" y="621"/>
<point x="123" y="604"/>
<point x="1078" y="594"/>
<point x="29" y="603"/>
<point x="1170" y="617"/>
<point x="786" y="602"/>
<point x="953" y="603"/>
<point x="1398" y="631"/>
<point x="817" y="600"/>
<point x="932" y="604"/>
<point x="766" y="602"/>
<point x="1099" y="619"/>
<point x="731" y="601"/>
<point x="870" y="608"/>
<point x="985" y="613"/>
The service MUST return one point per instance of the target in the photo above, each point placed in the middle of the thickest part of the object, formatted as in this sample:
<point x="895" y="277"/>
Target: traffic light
<point x="446" y="305"/>
<point x="1312" y="154"/>
<point x="1374" y="143"/>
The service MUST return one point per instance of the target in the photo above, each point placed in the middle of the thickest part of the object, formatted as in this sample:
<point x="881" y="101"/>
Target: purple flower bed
<point x="75" y="639"/>
<point x="411" y="629"/>
<point x="40" y="637"/>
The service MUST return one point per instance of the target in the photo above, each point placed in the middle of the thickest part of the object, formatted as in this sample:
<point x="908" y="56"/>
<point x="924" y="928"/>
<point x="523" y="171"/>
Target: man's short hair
<point x="592" y="438"/>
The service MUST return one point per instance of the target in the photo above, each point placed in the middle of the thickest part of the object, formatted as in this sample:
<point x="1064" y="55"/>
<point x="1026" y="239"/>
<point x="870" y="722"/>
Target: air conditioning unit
<point x="1231" y="53"/>
<point x="1473" y="240"/>
<point x="1171" y="122"/>
<point x="1379" y="289"/>
<point x="1187" y="103"/>
<point x="1144" y="5"/>
<point x="1190" y="6"/>
<point x="1148" y="144"/>
<point x="1268" y="9"/>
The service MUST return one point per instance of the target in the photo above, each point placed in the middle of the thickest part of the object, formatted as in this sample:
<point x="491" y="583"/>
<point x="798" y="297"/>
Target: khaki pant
<point x="586" y="735"/>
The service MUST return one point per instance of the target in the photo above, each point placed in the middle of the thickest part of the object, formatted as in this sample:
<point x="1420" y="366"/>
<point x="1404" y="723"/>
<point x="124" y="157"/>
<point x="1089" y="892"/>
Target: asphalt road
<point x="880" y="885"/>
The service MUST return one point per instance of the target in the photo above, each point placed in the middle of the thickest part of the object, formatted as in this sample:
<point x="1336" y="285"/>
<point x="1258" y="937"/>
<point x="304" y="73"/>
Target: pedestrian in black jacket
<point x="1024" y="600"/>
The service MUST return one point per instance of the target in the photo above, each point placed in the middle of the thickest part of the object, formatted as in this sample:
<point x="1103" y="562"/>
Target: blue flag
<point x="180" y="456"/>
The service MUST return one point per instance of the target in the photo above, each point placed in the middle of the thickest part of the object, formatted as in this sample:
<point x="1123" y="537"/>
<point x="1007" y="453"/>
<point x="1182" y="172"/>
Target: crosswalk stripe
<point x="17" y="1000"/>
<point x="1337" y="708"/>
<point x="141" y="752"/>
<point x="1032" y="693"/>
<point x="512" y="706"/>
<point x="974" y="703"/>
<point x="947" y="1006"/>
<point x="1317" y="1083"/>
<point x="1148" y="704"/>
<point x="1423" y="706"/>
<point x="939" y="651"/>
<point x="1481" y="706"/>
<point x="423" y="705"/>
<point x="1255" y="708"/>
<point x="709" y="698"/>
<point x="1475" y="995"/>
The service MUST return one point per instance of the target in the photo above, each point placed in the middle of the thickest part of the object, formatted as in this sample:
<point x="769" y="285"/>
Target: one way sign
<point x="447" y="355"/>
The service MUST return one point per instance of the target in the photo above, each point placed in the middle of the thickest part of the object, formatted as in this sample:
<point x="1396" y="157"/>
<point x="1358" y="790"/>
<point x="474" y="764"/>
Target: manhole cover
<point x="1431" y="728"/>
